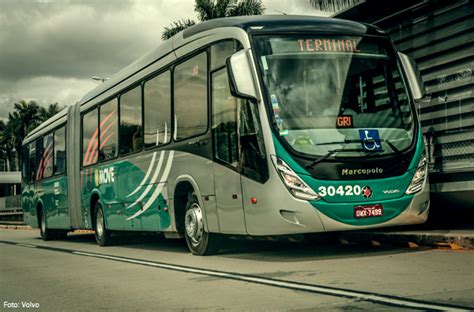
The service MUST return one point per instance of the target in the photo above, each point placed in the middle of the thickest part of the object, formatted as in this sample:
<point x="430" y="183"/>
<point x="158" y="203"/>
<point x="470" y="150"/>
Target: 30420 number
<point x="341" y="190"/>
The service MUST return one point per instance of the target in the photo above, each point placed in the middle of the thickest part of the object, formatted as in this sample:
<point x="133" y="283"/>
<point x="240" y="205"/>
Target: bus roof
<point x="251" y="24"/>
<point x="285" y="23"/>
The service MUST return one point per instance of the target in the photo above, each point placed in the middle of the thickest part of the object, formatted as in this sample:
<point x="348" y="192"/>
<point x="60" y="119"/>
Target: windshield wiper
<point x="332" y="152"/>
<point x="390" y="144"/>
<point x="338" y="142"/>
<point x="396" y="150"/>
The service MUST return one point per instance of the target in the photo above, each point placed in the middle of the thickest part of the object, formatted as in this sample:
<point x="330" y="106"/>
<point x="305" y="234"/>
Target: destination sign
<point x="328" y="45"/>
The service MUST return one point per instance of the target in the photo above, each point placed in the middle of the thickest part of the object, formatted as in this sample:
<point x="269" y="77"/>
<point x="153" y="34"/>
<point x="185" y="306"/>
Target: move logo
<point x="104" y="176"/>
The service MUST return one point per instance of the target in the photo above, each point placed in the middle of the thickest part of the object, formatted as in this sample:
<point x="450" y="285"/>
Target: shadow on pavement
<point x="314" y="247"/>
<point x="307" y="250"/>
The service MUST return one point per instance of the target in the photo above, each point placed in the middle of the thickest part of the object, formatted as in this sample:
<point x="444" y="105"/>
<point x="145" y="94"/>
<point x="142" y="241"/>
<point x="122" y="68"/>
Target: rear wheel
<point x="49" y="234"/>
<point x="60" y="234"/>
<point x="46" y="234"/>
<point x="199" y="241"/>
<point x="102" y="235"/>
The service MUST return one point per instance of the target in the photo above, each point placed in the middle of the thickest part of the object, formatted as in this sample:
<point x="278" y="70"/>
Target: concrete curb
<point x="15" y="227"/>
<point x="463" y="238"/>
<point x="27" y="227"/>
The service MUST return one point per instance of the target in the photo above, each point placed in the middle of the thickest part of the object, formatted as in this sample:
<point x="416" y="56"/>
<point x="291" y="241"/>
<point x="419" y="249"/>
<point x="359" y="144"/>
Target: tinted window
<point x="60" y="150"/>
<point x="224" y="119"/>
<point x="220" y="52"/>
<point x="254" y="164"/>
<point x="32" y="162"/>
<point x="131" y="134"/>
<point x="190" y="97"/>
<point x="324" y="89"/>
<point x="89" y="138"/>
<point x="108" y="131"/>
<point x="46" y="161"/>
<point x="25" y="164"/>
<point x="158" y="110"/>
<point x="38" y="159"/>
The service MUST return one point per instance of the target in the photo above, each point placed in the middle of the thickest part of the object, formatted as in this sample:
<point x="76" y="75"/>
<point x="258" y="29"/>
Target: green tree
<point x="50" y="111"/>
<point x="25" y="117"/>
<point x="5" y="148"/>
<point x="176" y="27"/>
<point x="333" y="6"/>
<point x="211" y="9"/>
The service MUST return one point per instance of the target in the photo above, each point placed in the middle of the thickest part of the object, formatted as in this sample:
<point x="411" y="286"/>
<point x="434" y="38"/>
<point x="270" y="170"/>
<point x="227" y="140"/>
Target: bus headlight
<point x="418" y="180"/>
<point x="297" y="187"/>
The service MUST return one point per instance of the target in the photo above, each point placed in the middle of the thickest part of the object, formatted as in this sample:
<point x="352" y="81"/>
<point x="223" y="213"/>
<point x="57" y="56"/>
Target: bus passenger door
<point x="225" y="140"/>
<point x="229" y="200"/>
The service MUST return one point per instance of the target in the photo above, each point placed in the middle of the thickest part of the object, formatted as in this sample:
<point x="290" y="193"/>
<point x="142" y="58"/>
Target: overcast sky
<point x="50" y="49"/>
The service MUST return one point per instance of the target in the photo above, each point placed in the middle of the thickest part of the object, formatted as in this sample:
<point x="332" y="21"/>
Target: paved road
<point x="152" y="274"/>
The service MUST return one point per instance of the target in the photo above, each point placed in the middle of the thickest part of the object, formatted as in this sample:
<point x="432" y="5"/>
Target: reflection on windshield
<point x="335" y="93"/>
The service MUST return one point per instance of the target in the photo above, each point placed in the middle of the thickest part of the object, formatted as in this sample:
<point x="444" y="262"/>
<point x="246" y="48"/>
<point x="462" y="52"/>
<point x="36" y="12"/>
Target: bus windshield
<point x="335" y="95"/>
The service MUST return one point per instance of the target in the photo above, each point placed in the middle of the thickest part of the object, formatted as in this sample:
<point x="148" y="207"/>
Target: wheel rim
<point x="43" y="224"/>
<point x="193" y="224"/>
<point x="99" y="224"/>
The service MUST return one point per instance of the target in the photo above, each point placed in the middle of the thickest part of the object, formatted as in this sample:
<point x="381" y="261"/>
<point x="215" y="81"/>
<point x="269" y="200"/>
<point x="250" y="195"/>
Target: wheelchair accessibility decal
<point x="370" y="140"/>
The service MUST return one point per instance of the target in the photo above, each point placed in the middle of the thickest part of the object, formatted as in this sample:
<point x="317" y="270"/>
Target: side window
<point x="131" y="132"/>
<point x="220" y="52"/>
<point x="38" y="159"/>
<point x="25" y="163"/>
<point x="32" y="162"/>
<point x="46" y="162"/>
<point x="190" y="97"/>
<point x="254" y="164"/>
<point x="224" y="119"/>
<point x="108" y="148"/>
<point x="60" y="150"/>
<point x="90" y="132"/>
<point x="158" y="110"/>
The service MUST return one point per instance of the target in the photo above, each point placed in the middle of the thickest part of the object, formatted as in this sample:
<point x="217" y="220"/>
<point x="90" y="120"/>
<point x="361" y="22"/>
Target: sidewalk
<point x="447" y="238"/>
<point x="452" y="238"/>
<point x="14" y="226"/>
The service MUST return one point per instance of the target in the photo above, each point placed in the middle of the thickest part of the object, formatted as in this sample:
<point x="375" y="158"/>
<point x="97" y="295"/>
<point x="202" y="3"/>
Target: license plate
<point x="368" y="211"/>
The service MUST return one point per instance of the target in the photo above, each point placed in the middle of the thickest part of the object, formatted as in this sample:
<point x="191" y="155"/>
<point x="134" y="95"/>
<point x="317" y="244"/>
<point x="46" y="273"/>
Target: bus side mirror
<point x="414" y="77"/>
<point x="241" y="80"/>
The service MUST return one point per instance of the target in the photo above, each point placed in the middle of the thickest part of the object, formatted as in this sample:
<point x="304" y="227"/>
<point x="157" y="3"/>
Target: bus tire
<point x="102" y="235"/>
<point x="199" y="241"/>
<point x="60" y="234"/>
<point x="46" y="234"/>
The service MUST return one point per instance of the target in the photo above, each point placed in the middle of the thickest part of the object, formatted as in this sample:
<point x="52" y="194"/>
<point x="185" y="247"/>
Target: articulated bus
<point x="252" y="126"/>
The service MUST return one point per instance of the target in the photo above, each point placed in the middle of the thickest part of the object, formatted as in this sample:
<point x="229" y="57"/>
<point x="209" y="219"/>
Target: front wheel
<point x="199" y="241"/>
<point x="102" y="235"/>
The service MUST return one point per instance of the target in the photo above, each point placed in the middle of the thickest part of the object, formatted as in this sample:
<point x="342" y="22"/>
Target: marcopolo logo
<point x="104" y="176"/>
<point x="363" y="171"/>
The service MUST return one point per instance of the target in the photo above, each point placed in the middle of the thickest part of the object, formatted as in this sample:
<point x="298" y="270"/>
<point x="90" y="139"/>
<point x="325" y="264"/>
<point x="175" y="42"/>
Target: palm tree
<point x="50" y="111"/>
<point x="25" y="117"/>
<point x="211" y="9"/>
<point x="176" y="27"/>
<point x="333" y="6"/>
<point x="5" y="147"/>
<point x="246" y="7"/>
